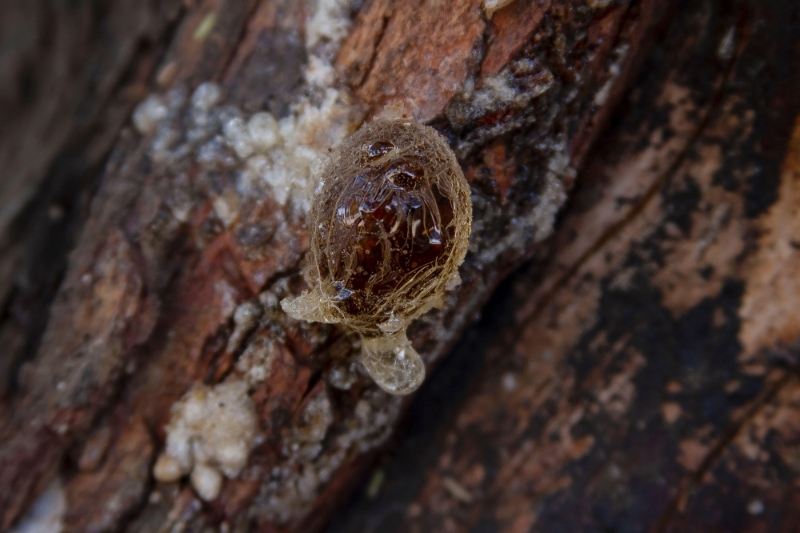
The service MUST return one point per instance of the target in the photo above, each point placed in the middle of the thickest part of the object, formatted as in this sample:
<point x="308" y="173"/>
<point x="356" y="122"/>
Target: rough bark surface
<point x="638" y="372"/>
<point x="641" y="374"/>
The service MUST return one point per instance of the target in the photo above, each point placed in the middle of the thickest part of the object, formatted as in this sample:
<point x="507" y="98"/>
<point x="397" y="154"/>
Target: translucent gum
<point x="392" y="362"/>
<point x="389" y="228"/>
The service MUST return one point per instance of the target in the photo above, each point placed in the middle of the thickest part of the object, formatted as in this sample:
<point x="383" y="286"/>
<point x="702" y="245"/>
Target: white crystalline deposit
<point x="256" y="361"/>
<point x="206" y="96"/>
<point x="267" y="154"/>
<point x="149" y="113"/>
<point x="490" y="6"/>
<point x="46" y="514"/>
<point x="237" y="137"/>
<point x="245" y="319"/>
<point x="329" y="22"/>
<point x="210" y="433"/>
<point x="264" y="131"/>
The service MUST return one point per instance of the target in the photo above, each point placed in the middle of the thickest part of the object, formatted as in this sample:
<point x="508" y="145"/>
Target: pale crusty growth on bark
<point x="389" y="229"/>
<point x="201" y="221"/>
<point x="490" y="6"/>
<point x="210" y="433"/>
<point x="46" y="515"/>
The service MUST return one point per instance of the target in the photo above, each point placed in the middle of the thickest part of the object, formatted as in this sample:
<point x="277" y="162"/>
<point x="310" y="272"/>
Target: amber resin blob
<point x="389" y="228"/>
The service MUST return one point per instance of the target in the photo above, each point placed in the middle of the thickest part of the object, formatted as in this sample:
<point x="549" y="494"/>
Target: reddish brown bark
<point x="634" y="373"/>
<point x="642" y="377"/>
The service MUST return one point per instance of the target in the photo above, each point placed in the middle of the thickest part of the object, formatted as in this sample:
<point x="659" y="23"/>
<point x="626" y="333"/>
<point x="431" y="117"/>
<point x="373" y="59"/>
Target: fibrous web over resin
<point x="389" y="227"/>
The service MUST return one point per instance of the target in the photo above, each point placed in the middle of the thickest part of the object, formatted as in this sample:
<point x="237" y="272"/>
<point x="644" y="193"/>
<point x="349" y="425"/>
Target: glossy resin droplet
<point x="389" y="228"/>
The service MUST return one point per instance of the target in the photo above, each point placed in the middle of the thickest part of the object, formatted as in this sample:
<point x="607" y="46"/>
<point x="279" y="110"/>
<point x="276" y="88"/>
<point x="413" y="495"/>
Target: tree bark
<point x="639" y="373"/>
